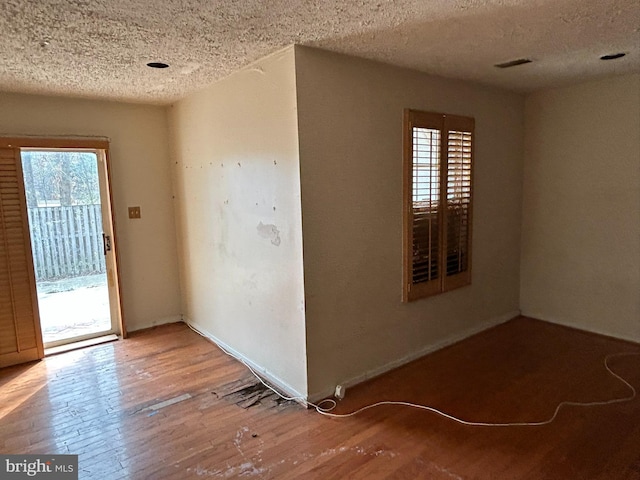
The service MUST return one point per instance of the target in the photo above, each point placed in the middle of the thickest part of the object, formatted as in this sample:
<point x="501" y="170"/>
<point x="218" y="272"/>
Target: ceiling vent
<point x="513" y="63"/>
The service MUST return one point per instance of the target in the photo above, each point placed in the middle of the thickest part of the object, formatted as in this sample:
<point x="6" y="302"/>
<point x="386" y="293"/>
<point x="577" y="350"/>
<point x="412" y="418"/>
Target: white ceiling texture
<point x="100" y="48"/>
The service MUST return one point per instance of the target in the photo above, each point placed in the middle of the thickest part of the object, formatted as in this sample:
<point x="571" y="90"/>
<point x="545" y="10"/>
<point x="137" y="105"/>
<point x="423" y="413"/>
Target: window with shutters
<point x="438" y="194"/>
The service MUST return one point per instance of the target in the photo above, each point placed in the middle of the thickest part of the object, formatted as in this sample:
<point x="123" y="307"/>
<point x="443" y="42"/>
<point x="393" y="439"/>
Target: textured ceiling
<point x="99" y="48"/>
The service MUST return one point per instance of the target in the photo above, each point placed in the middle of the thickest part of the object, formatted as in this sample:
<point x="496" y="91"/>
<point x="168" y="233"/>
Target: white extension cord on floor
<point x="331" y="404"/>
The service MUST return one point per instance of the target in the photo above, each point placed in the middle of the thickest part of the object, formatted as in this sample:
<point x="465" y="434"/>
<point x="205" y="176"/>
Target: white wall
<point x="140" y="173"/>
<point x="350" y="134"/>
<point x="236" y="178"/>
<point x="581" y="208"/>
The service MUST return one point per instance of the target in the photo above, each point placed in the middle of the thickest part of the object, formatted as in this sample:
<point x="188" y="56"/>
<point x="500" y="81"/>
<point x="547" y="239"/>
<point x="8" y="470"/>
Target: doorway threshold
<point x="82" y="344"/>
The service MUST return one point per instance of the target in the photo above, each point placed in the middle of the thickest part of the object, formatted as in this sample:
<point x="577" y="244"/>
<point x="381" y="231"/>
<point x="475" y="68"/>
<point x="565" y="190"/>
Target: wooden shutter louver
<point x="457" y="242"/>
<point x="20" y="336"/>
<point x="437" y="203"/>
<point x="426" y="191"/>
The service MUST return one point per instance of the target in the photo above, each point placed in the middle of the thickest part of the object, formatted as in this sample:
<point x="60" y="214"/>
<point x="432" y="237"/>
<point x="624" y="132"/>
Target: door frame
<point x="88" y="143"/>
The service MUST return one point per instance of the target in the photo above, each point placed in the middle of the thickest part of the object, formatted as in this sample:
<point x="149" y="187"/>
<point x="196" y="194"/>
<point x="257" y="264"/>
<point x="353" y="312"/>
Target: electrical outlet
<point x="340" y="391"/>
<point x="134" y="212"/>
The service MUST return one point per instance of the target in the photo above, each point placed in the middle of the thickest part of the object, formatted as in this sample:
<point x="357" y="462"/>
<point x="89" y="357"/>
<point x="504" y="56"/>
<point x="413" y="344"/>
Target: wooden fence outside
<point x="66" y="241"/>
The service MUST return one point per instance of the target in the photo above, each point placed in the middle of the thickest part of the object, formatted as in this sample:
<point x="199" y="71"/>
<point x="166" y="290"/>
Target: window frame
<point x="449" y="126"/>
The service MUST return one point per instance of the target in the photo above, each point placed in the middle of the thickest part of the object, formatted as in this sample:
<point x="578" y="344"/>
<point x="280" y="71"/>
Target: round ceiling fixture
<point x="157" y="65"/>
<point x="612" y="56"/>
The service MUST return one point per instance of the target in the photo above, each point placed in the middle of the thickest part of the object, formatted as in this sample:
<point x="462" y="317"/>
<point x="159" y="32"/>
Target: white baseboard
<point x="579" y="326"/>
<point x="280" y="385"/>
<point x="417" y="354"/>
<point x="154" y="323"/>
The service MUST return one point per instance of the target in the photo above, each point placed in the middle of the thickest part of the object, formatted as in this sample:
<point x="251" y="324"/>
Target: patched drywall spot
<point x="190" y="68"/>
<point x="269" y="231"/>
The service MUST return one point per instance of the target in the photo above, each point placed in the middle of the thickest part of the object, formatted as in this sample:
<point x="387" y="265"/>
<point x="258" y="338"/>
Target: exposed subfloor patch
<point x="166" y="403"/>
<point x="248" y="392"/>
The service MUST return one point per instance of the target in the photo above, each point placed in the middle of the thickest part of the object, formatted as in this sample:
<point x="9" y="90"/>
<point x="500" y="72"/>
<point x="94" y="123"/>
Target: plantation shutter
<point x="437" y="203"/>
<point x="457" y="232"/>
<point x="20" y="335"/>
<point x="423" y="219"/>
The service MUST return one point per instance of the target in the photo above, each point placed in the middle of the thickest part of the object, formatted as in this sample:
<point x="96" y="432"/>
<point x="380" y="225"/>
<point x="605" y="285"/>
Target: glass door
<point x="71" y="242"/>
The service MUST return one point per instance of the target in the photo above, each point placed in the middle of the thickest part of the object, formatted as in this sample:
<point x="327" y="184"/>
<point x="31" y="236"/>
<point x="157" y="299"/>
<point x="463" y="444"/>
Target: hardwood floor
<point x="103" y="403"/>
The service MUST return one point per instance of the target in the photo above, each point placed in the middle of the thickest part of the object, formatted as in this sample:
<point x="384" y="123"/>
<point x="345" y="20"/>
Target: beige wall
<point x="581" y="208"/>
<point x="350" y="134"/>
<point x="236" y="177"/>
<point x="140" y="176"/>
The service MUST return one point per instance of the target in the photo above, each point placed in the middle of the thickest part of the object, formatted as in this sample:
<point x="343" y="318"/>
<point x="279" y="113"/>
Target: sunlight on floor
<point x="17" y="393"/>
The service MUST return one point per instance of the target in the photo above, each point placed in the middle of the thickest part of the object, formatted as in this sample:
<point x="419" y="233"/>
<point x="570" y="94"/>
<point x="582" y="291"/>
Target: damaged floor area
<point x="249" y="392"/>
<point x="167" y="404"/>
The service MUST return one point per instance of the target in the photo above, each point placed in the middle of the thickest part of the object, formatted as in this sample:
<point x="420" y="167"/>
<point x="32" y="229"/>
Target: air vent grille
<point x="513" y="63"/>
